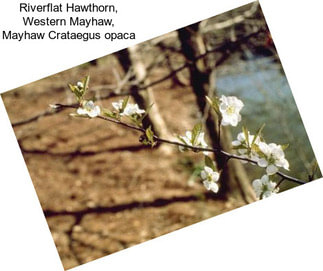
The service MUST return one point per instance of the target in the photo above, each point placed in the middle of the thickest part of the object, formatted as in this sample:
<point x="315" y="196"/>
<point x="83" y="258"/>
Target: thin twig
<point x="194" y="148"/>
<point x="219" y="131"/>
<point x="232" y="21"/>
<point x="118" y="93"/>
<point x="280" y="182"/>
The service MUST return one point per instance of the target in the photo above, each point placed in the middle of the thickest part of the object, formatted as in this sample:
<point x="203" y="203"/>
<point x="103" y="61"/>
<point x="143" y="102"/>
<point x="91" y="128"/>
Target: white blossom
<point x="263" y="187"/>
<point x="129" y="110"/>
<point x="244" y="149"/>
<point x="198" y="142"/>
<point x="54" y="106"/>
<point x="118" y="105"/>
<point x="230" y="109"/>
<point x="132" y="109"/>
<point x="241" y="139"/>
<point x="89" y="109"/>
<point x="79" y="84"/>
<point x="210" y="177"/>
<point x="274" y="158"/>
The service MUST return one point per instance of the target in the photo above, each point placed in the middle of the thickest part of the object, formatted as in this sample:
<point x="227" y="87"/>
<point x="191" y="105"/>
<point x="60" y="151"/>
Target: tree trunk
<point x="234" y="180"/>
<point x="130" y="59"/>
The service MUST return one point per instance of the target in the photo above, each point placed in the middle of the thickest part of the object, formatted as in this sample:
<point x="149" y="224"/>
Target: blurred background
<point x="101" y="189"/>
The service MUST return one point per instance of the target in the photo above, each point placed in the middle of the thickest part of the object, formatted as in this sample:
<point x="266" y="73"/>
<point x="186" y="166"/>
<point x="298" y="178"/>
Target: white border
<point x="280" y="233"/>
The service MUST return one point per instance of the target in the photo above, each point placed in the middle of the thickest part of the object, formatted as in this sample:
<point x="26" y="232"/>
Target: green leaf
<point x="145" y="141"/>
<point x="315" y="166"/>
<point x="214" y="103"/>
<point x="258" y="134"/>
<point x="150" y="136"/>
<point x="183" y="142"/>
<point x="124" y="103"/>
<point x="109" y="114"/>
<point x="208" y="99"/>
<point x="284" y="146"/>
<point x="238" y="147"/>
<point x="209" y="163"/>
<point x="146" y="113"/>
<point x="246" y="134"/>
<point x="136" y="120"/>
<point x="72" y="88"/>
<point x="197" y="129"/>
<point x="80" y="92"/>
<point x="258" y="151"/>
<point x="85" y="82"/>
<point x="315" y="169"/>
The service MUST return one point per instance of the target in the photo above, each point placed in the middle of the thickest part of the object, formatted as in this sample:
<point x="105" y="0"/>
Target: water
<point x="261" y="84"/>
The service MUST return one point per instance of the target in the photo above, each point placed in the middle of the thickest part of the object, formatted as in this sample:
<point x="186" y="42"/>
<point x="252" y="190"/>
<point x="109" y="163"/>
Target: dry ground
<point x="100" y="189"/>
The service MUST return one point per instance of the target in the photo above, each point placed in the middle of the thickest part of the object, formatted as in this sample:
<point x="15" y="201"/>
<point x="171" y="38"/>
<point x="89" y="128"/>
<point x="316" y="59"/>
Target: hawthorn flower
<point x="273" y="157"/>
<point x="241" y="139"/>
<point x="230" y="109"/>
<point x="79" y="84"/>
<point x="118" y="105"/>
<point x="198" y="142"/>
<point x="129" y="110"/>
<point x="264" y="188"/>
<point x="132" y="109"/>
<point x="245" y="148"/>
<point x="210" y="177"/>
<point x="89" y="109"/>
<point x="53" y="107"/>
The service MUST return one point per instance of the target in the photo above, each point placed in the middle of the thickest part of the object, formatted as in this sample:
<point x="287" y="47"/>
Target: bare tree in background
<point x="131" y="59"/>
<point x="234" y="177"/>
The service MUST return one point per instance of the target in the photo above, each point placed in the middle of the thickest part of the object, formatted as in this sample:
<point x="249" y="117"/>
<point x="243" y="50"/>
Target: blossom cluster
<point x="210" y="178"/>
<point x="251" y="148"/>
<point x="190" y="139"/>
<point x="270" y="156"/>
<point x="127" y="109"/>
<point x="246" y="147"/>
<point x="230" y="110"/>
<point x="264" y="187"/>
<point x="87" y="108"/>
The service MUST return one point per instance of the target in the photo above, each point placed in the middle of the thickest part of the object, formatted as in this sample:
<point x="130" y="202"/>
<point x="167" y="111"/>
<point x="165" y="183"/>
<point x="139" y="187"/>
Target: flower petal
<point x="271" y="169"/>
<point x="262" y="162"/>
<point x="207" y="185"/>
<point x="236" y="143"/>
<point x="257" y="183"/>
<point x="181" y="148"/>
<point x="265" y="179"/>
<point x="215" y="176"/>
<point x="214" y="187"/>
<point x="241" y="137"/>
<point x="204" y="174"/>
<point x="81" y="111"/>
<point x="267" y="194"/>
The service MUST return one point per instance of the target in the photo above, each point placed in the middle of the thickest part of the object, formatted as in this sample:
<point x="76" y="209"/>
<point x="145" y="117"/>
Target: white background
<point x="281" y="233"/>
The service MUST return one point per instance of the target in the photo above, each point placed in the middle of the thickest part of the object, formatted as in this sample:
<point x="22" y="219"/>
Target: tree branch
<point x="232" y="21"/>
<point x="118" y="93"/>
<point x="194" y="148"/>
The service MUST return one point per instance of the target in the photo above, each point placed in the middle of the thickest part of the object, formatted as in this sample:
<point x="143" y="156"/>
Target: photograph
<point x="161" y="135"/>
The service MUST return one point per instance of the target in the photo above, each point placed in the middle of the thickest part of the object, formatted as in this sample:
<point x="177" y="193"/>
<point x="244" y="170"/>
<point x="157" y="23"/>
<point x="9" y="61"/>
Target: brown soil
<point x="100" y="189"/>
